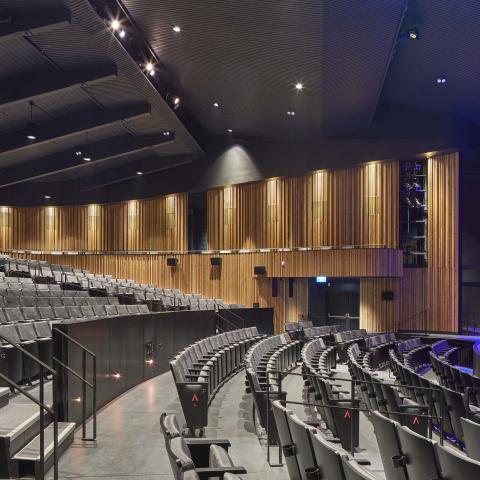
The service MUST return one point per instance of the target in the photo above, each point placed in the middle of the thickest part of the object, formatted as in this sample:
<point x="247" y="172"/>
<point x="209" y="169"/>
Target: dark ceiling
<point x="91" y="94"/>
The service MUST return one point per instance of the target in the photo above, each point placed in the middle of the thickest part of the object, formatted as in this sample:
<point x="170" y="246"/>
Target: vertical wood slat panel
<point x="355" y="206"/>
<point x="154" y="224"/>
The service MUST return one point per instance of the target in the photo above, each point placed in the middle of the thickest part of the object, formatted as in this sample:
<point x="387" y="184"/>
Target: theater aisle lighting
<point x="176" y="29"/>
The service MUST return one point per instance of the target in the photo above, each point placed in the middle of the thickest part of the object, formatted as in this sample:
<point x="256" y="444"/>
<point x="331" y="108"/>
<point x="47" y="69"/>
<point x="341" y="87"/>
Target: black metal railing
<point x="44" y="408"/>
<point x="85" y="383"/>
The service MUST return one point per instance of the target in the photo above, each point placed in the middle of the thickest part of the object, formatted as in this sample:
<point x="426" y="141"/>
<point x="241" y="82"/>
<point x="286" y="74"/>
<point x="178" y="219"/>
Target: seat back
<point x="455" y="466"/>
<point x="301" y="441"/>
<point x="418" y="453"/>
<point x="327" y="456"/>
<point x="353" y="471"/>
<point x="389" y="446"/>
<point x="471" y="435"/>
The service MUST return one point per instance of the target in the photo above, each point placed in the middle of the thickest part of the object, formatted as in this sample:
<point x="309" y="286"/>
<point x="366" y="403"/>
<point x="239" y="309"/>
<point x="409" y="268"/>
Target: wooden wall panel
<point x="154" y="224"/>
<point x="356" y="206"/>
<point x="443" y="241"/>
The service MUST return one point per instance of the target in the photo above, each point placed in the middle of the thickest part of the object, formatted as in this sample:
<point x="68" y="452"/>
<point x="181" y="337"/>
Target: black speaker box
<point x="171" y="261"/>
<point x="387" y="295"/>
<point x="215" y="261"/>
<point x="260" y="270"/>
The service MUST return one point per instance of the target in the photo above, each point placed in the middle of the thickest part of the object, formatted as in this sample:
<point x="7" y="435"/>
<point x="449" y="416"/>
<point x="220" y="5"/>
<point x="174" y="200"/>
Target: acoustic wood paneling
<point x="425" y="298"/>
<point x="356" y="206"/>
<point x="234" y="281"/>
<point x="154" y="224"/>
<point x="443" y="242"/>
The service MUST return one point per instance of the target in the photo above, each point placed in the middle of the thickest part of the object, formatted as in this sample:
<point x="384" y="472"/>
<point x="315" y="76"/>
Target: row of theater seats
<point x="68" y="312"/>
<point x="78" y="279"/>
<point x="406" y="455"/>
<point x="318" y="357"/>
<point x="35" y="338"/>
<point x="325" y="331"/>
<point x="460" y="418"/>
<point x="201" y="369"/>
<point x="344" y="339"/>
<point x="309" y="455"/>
<point x="414" y="353"/>
<point x="197" y="458"/>
<point x="397" y="403"/>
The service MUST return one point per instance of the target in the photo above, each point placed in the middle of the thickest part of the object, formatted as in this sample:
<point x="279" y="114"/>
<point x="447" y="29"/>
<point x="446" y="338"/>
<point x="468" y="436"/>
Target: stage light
<point x="299" y="86"/>
<point x="413" y="34"/>
<point x="115" y="25"/>
<point x="177" y="29"/>
<point x="87" y="159"/>
<point x="176" y="101"/>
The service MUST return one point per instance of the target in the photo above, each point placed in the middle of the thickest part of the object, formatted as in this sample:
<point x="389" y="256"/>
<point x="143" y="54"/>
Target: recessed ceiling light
<point x="299" y="86"/>
<point x="87" y="159"/>
<point x="115" y="25"/>
<point x="413" y="34"/>
<point x="216" y="105"/>
<point x="149" y="66"/>
<point x="78" y="153"/>
<point x="31" y="137"/>
<point x="441" y="80"/>
<point x="166" y="133"/>
<point x="139" y="173"/>
<point x="291" y="113"/>
<point x="122" y="33"/>
<point x="229" y="130"/>
<point x="47" y="197"/>
<point x="176" y="100"/>
<point x="177" y="29"/>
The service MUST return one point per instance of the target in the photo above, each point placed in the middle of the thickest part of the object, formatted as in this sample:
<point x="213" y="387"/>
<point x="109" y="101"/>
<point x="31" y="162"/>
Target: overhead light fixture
<point x="441" y="80"/>
<point x="31" y="130"/>
<point x="149" y="66"/>
<point x="291" y="113"/>
<point x="176" y="101"/>
<point x="139" y="173"/>
<point x="299" y="86"/>
<point x="216" y="104"/>
<point x="122" y="33"/>
<point x="87" y="159"/>
<point x="47" y="197"/>
<point x="177" y="29"/>
<point x="78" y="153"/>
<point x="115" y="25"/>
<point x="167" y="133"/>
<point x="413" y="34"/>
<point x="229" y="130"/>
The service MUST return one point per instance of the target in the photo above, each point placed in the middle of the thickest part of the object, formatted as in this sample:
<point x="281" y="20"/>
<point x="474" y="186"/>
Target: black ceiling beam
<point x="41" y="85"/>
<point x="28" y="22"/>
<point x="68" y="160"/>
<point x="71" y="125"/>
<point x="127" y="172"/>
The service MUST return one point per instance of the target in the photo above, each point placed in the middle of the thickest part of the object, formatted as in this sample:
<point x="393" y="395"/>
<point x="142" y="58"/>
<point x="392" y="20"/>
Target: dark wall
<point x="396" y="133"/>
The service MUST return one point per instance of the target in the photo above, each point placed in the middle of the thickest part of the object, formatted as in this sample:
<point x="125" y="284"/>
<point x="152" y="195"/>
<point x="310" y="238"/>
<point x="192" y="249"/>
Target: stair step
<point x="27" y="461"/>
<point x="4" y="396"/>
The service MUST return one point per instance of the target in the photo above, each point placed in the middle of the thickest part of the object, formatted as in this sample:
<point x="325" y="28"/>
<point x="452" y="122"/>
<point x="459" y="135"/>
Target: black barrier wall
<point x="132" y="349"/>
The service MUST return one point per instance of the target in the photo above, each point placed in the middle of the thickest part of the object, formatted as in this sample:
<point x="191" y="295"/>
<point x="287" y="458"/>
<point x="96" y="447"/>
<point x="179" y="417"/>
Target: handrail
<point x="85" y="383"/>
<point x="41" y="403"/>
<point x="232" y="313"/>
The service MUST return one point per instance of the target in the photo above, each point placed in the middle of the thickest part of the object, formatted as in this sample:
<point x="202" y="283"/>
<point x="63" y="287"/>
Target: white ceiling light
<point x="122" y="33"/>
<point x="177" y="29"/>
<point x="115" y="25"/>
<point x="299" y="86"/>
<point x="229" y="130"/>
<point x="139" y="173"/>
<point x="47" y="197"/>
<point x="216" y="105"/>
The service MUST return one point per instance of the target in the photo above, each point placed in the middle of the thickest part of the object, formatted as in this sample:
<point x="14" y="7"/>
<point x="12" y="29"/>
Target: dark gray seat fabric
<point x="99" y="310"/>
<point x="75" y="312"/>
<point x="388" y="444"/>
<point x="133" y="309"/>
<point x="68" y="301"/>
<point x="328" y="456"/>
<point x="61" y="312"/>
<point x="12" y="302"/>
<point x="143" y="309"/>
<point x="30" y="314"/>
<point x="301" y="441"/>
<point x="455" y="466"/>
<point x="471" y="433"/>
<point x="14" y="315"/>
<point x="113" y="300"/>
<point x="419" y="454"/>
<point x="87" y="311"/>
<point x="111" y="309"/>
<point x="46" y="313"/>
<point x="122" y="310"/>
<point x="56" y="302"/>
<point x="80" y="301"/>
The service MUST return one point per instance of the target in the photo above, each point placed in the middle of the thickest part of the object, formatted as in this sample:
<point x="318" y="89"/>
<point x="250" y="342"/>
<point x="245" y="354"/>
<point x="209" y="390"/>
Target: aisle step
<point x="26" y="463"/>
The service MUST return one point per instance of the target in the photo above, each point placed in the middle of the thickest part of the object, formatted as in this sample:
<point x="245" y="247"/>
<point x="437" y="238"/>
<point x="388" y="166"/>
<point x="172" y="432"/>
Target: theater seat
<point x="328" y="456"/>
<point x="353" y="471"/>
<point x="456" y="466"/>
<point x="471" y="433"/>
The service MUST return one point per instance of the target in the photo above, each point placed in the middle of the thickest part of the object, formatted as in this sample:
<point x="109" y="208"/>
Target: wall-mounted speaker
<point x="215" y="261"/>
<point x="387" y="295"/>
<point x="274" y="287"/>
<point x="171" y="261"/>
<point x="259" y="270"/>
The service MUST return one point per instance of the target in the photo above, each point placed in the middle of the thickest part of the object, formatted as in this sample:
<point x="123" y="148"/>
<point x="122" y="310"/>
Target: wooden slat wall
<point x="154" y="224"/>
<point x="356" y="206"/>
<point x="425" y="298"/>
<point x="443" y="242"/>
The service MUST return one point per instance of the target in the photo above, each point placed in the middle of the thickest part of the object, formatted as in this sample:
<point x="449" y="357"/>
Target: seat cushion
<point x="219" y="457"/>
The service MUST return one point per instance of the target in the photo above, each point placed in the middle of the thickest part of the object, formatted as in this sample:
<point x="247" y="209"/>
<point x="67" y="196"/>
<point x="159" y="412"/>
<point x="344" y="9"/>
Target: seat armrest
<point x="221" y="442"/>
<point x="204" y="473"/>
